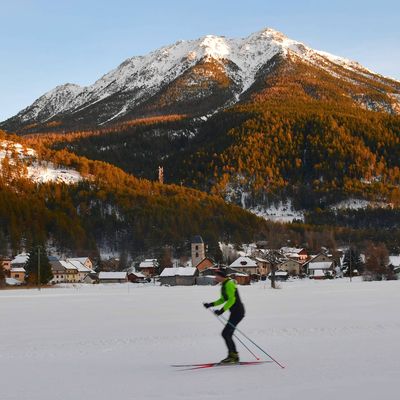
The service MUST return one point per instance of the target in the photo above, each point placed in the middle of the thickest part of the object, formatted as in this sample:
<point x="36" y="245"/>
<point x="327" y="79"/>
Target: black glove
<point x="207" y="305"/>
<point x="219" y="312"/>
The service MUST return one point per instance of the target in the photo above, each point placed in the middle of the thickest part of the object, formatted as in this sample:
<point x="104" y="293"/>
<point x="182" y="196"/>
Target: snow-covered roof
<point x="291" y="250"/>
<point x="112" y="275"/>
<point x="320" y="265"/>
<point x="279" y="273"/>
<point x="240" y="274"/>
<point x="137" y="274"/>
<point x="82" y="260"/>
<point x="148" y="263"/>
<point x="259" y="259"/>
<point x="243" y="262"/>
<point x="394" y="260"/>
<point x="178" y="271"/>
<point x="68" y="265"/>
<point x="78" y="265"/>
<point x="18" y="269"/>
<point x="20" y="259"/>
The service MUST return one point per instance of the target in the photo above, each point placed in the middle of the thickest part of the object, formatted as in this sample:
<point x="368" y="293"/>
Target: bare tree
<point x="274" y="257"/>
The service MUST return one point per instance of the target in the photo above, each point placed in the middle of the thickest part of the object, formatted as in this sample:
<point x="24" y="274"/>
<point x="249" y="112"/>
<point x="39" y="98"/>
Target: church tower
<point x="198" y="250"/>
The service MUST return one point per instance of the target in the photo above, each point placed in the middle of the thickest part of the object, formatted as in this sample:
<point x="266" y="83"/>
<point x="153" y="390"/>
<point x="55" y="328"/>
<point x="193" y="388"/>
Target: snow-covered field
<point x="338" y="340"/>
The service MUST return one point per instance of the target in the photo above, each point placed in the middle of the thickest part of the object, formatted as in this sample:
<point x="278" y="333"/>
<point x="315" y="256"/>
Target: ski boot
<point x="233" y="358"/>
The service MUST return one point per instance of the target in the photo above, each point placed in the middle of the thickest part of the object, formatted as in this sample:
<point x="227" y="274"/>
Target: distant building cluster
<point x="70" y="270"/>
<point x="256" y="262"/>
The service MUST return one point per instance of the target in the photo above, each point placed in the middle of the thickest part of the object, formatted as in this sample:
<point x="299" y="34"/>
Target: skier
<point x="229" y="296"/>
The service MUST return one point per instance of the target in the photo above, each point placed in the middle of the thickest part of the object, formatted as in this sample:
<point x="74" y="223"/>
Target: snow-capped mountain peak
<point x="139" y="78"/>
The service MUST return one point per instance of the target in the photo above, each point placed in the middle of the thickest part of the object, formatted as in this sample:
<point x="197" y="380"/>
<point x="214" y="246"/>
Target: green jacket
<point x="229" y="294"/>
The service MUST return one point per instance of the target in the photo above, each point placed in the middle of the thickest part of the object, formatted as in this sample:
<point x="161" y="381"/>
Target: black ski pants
<point x="237" y="314"/>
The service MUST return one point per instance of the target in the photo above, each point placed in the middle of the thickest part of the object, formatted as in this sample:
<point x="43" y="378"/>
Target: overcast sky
<point x="45" y="43"/>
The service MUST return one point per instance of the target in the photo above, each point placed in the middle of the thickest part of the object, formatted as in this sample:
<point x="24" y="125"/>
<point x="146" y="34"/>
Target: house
<point x="206" y="280"/>
<point x="207" y="276"/>
<point x="59" y="272"/>
<point x="318" y="274"/>
<point x="137" y="277"/>
<point x="298" y="254"/>
<point x="241" y="278"/>
<point x="264" y="266"/>
<point x="82" y="266"/>
<point x="293" y="267"/>
<point x="319" y="262"/>
<point x="205" y="263"/>
<point x="18" y="273"/>
<point x="179" y="276"/>
<point x="91" y="278"/>
<point x="113" y="277"/>
<point x="149" y="267"/>
<point x="71" y="272"/>
<point x="245" y="265"/>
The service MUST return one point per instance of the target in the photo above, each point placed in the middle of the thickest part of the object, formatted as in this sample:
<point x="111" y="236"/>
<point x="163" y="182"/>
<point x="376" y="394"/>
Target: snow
<point x="40" y="172"/>
<point x="49" y="173"/>
<point x="20" y="259"/>
<point x="357" y="204"/>
<point x="282" y="211"/>
<point x="112" y="275"/>
<point x="178" y="271"/>
<point x="97" y="342"/>
<point x="394" y="260"/>
<point x="18" y="269"/>
<point x="12" y="282"/>
<point x="148" y="263"/>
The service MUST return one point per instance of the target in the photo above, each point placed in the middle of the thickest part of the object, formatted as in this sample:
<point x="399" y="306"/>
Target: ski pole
<point x="251" y="341"/>
<point x="219" y="319"/>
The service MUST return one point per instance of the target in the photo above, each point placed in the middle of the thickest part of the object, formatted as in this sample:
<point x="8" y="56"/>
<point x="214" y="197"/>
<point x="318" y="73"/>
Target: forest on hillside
<point x="299" y="132"/>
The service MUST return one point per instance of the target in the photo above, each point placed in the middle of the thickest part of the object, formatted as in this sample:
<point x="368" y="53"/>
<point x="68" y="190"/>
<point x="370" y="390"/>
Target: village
<point x="256" y="262"/>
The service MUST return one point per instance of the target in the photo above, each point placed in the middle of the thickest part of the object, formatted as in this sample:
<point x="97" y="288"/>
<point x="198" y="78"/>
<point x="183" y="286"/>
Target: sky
<point x="45" y="43"/>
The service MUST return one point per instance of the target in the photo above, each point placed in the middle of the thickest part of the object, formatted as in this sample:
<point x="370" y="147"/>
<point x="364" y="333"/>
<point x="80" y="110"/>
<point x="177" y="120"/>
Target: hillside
<point x="298" y="135"/>
<point x="109" y="210"/>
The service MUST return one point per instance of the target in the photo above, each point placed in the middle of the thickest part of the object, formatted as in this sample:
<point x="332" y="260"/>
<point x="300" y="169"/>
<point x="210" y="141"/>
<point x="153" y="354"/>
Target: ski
<point x="217" y="364"/>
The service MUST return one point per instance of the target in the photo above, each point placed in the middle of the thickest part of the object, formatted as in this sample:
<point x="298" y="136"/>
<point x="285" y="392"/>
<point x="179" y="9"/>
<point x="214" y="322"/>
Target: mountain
<point x="259" y="121"/>
<point x="197" y="78"/>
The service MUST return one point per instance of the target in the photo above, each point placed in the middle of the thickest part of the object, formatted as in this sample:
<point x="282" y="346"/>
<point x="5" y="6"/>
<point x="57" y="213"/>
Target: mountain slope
<point x="197" y="77"/>
<point x="107" y="209"/>
<point x="297" y="132"/>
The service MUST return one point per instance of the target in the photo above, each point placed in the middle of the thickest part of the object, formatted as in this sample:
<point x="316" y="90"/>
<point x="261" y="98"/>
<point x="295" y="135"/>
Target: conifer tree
<point x="38" y="261"/>
<point x="2" y="274"/>
<point x="352" y="261"/>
